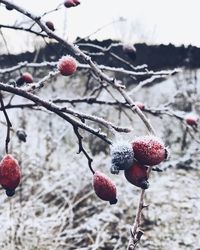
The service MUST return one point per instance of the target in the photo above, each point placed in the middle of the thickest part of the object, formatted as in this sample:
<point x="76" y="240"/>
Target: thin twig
<point x="9" y="124"/>
<point x="53" y="108"/>
<point x="81" y="149"/>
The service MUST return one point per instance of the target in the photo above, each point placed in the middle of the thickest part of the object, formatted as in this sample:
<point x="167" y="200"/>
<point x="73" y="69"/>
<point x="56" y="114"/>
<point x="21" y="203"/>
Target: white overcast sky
<point x="152" y="21"/>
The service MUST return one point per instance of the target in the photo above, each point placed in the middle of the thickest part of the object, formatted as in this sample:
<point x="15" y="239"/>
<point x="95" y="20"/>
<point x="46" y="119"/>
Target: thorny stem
<point x="9" y="124"/>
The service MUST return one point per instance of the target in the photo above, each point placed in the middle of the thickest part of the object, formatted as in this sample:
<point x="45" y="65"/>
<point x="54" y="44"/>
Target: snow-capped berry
<point x="122" y="157"/>
<point x="21" y="134"/>
<point x="149" y="150"/>
<point x="137" y="175"/>
<point x="104" y="187"/>
<point x="69" y="3"/>
<point x="9" y="173"/>
<point x="140" y="105"/>
<point x="50" y="25"/>
<point x="191" y="119"/>
<point x="67" y="65"/>
<point x="130" y="50"/>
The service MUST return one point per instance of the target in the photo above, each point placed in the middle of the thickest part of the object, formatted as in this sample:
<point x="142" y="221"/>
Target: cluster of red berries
<point x="71" y="3"/>
<point x="134" y="159"/>
<point x="9" y="174"/>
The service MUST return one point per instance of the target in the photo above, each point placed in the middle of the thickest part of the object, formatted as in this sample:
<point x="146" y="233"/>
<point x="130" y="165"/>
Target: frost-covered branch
<point x="53" y="108"/>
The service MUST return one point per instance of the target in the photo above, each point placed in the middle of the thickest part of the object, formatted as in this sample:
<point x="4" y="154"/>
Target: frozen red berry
<point x="130" y="50"/>
<point x="9" y="173"/>
<point x="137" y="175"/>
<point x="27" y="77"/>
<point x="24" y="78"/>
<point x="191" y="119"/>
<point x="67" y="65"/>
<point x="149" y="150"/>
<point x="140" y="105"/>
<point x="69" y="3"/>
<point x="104" y="187"/>
<point x="50" y="25"/>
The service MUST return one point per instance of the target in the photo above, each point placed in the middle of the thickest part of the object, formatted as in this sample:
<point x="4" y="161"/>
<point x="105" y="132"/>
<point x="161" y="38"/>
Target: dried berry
<point x="50" y="25"/>
<point x="9" y="173"/>
<point x="24" y="78"/>
<point x="104" y="187"/>
<point x="77" y="2"/>
<point x="149" y="150"/>
<point x="21" y="134"/>
<point x="191" y="119"/>
<point x="122" y="157"/>
<point x="140" y="105"/>
<point x="69" y="3"/>
<point x="137" y="175"/>
<point x="67" y="65"/>
<point x="27" y="77"/>
<point x="130" y="50"/>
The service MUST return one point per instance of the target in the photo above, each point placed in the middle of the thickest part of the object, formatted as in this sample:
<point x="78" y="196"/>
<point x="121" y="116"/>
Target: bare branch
<point x="81" y="149"/>
<point x="53" y="108"/>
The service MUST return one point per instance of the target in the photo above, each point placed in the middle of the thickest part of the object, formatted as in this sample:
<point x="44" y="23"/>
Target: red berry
<point x="69" y="3"/>
<point x="140" y="105"/>
<point x="27" y="77"/>
<point x="104" y="187"/>
<point x="149" y="150"/>
<point x="191" y="119"/>
<point x="67" y="65"/>
<point x="50" y="25"/>
<point x="137" y="175"/>
<point x="130" y="50"/>
<point x="9" y="173"/>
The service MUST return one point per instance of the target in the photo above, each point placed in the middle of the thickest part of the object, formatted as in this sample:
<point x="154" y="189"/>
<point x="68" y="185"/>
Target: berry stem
<point x="9" y="124"/>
